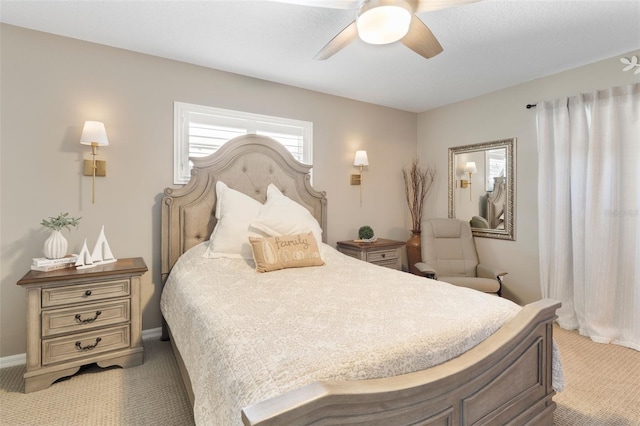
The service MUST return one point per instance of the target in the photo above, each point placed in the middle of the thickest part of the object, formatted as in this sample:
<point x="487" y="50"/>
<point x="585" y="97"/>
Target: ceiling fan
<point x="384" y="22"/>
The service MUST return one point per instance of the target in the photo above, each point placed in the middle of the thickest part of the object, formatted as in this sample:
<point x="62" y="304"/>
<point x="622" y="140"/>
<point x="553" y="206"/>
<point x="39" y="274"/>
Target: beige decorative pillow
<point x="286" y="251"/>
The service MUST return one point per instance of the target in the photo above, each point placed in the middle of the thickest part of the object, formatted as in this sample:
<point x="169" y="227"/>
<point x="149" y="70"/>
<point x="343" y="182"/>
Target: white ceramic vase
<point x="55" y="246"/>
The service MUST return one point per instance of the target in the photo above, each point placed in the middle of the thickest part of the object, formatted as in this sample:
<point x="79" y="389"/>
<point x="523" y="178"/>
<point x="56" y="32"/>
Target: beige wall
<point x="51" y="85"/>
<point x="502" y="115"/>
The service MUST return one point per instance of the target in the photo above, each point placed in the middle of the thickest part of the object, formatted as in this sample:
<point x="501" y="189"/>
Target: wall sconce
<point x="94" y="134"/>
<point x="470" y="168"/>
<point x="360" y="161"/>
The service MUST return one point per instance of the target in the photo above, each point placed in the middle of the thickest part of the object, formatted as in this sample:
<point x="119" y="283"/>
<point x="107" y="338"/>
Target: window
<point x="200" y="130"/>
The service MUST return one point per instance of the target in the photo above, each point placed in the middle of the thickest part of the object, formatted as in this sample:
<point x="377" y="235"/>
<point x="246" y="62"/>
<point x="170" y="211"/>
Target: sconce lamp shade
<point x="361" y="159"/>
<point x="94" y="132"/>
<point x="470" y="167"/>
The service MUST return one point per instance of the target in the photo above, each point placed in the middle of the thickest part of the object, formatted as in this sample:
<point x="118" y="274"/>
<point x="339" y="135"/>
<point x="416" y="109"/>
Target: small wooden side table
<point x="81" y="316"/>
<point x="383" y="252"/>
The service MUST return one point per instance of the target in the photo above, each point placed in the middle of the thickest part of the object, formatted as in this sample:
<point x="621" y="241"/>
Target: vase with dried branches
<point x="417" y="185"/>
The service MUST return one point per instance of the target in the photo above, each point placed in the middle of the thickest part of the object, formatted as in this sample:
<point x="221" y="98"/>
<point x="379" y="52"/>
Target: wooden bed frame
<point x="504" y="380"/>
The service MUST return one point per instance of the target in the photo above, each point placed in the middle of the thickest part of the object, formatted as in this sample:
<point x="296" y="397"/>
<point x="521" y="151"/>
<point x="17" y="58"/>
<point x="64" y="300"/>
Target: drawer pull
<point x="87" y="293"/>
<point x="88" y="320"/>
<point x="88" y="347"/>
<point x="384" y="255"/>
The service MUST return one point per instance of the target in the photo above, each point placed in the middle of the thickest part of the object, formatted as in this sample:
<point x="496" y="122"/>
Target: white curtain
<point x="589" y="212"/>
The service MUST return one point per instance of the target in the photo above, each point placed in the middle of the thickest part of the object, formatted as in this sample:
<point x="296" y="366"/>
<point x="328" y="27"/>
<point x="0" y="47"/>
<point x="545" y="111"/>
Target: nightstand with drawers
<point x="382" y="252"/>
<point x="82" y="316"/>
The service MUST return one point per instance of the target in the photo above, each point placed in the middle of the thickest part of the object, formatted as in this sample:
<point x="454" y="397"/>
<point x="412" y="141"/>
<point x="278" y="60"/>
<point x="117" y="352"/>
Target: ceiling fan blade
<point x="343" y="38"/>
<point x="429" y="5"/>
<point x="421" y="40"/>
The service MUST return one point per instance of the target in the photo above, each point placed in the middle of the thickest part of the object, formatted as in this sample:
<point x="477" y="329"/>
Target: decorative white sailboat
<point x="85" y="260"/>
<point x="101" y="252"/>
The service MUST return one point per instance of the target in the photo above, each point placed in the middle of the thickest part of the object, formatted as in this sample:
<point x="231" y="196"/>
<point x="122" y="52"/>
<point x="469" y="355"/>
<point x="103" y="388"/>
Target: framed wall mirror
<point x="482" y="188"/>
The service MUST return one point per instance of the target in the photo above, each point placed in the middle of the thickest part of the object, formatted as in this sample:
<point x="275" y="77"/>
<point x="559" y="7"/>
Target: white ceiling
<point x="488" y="45"/>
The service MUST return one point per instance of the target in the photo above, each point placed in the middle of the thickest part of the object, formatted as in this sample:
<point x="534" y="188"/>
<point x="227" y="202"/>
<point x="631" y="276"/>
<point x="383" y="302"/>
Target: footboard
<point x="504" y="380"/>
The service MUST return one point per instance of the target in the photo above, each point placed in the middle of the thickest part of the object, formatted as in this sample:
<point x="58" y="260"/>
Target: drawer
<point x="84" y="293"/>
<point x="382" y="255"/>
<point x="393" y="263"/>
<point x="358" y="254"/>
<point x="69" y="348"/>
<point x="85" y="317"/>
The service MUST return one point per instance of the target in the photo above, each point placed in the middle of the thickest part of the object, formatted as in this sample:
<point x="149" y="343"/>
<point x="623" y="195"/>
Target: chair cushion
<point x="448" y="246"/>
<point x="486" y="285"/>
<point x="448" y="228"/>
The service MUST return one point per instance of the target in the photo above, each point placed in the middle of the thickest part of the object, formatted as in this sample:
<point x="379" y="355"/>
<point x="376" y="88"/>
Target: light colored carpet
<point x="149" y="394"/>
<point x="602" y="383"/>
<point x="603" y="388"/>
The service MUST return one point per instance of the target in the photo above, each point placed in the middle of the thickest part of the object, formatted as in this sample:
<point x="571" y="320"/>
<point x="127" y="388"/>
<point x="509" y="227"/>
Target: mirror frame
<point x="509" y="233"/>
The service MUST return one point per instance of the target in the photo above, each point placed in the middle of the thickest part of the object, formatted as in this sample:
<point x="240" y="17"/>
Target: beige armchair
<point x="449" y="254"/>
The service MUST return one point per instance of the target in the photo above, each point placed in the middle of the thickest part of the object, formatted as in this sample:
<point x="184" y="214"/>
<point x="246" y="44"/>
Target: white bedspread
<point x="245" y="337"/>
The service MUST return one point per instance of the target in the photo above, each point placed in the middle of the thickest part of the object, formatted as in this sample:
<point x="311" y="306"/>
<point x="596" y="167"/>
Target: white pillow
<point x="235" y="211"/>
<point x="280" y="215"/>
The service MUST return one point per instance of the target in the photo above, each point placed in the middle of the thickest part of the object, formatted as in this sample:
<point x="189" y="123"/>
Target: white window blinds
<point x="200" y="130"/>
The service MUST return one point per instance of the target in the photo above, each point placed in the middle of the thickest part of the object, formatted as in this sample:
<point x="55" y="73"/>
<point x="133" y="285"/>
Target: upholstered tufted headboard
<point x="247" y="164"/>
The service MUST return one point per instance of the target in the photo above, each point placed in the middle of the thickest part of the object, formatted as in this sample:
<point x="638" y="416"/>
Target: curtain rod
<point x="529" y="106"/>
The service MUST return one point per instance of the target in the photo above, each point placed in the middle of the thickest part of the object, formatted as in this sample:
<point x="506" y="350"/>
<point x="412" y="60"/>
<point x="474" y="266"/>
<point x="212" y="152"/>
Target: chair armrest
<point x="484" y="271"/>
<point x="426" y="270"/>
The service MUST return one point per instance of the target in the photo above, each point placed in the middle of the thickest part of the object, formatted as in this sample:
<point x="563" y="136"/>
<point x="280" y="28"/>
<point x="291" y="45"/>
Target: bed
<point x="223" y="318"/>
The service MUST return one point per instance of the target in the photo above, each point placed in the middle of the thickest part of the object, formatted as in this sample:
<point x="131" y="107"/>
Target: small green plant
<point x="365" y="232"/>
<point x="61" y="221"/>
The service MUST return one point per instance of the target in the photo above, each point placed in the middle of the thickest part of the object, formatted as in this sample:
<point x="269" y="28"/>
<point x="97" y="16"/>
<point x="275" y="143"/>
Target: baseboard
<point x="152" y="334"/>
<point x="21" y="359"/>
<point x="13" y="360"/>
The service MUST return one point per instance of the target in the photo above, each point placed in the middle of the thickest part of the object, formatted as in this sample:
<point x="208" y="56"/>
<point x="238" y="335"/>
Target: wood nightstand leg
<point x="124" y="361"/>
<point x="136" y="314"/>
<point x="43" y="381"/>
<point x="33" y="328"/>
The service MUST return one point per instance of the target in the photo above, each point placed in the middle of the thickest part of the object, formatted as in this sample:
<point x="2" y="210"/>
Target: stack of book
<point x="46" y="265"/>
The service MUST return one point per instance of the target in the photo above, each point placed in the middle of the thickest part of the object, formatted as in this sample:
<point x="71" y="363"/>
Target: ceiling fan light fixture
<point x="383" y="21"/>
